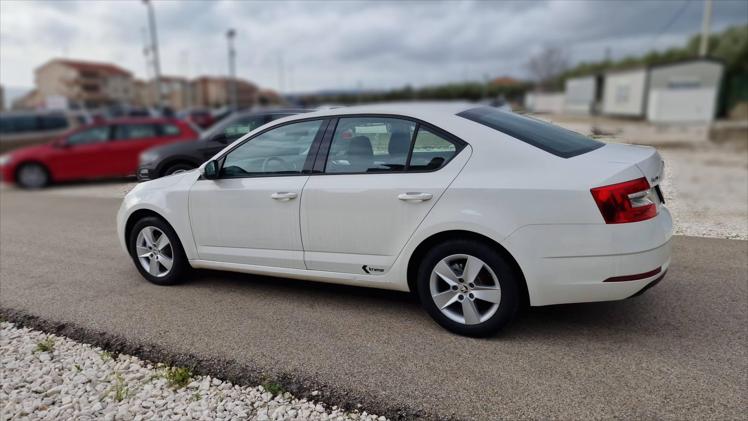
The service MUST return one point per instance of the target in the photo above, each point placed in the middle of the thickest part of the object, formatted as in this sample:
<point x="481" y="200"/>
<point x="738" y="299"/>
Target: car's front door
<point x="250" y="214"/>
<point x="82" y="154"/>
<point x="381" y="178"/>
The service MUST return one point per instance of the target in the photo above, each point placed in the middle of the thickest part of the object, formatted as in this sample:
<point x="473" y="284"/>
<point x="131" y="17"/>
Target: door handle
<point x="415" y="197"/>
<point x="284" y="196"/>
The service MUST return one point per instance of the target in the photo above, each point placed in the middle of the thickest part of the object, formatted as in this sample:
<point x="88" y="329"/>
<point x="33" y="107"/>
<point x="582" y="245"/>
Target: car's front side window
<point x="370" y="144"/>
<point x="281" y="150"/>
<point x="94" y="135"/>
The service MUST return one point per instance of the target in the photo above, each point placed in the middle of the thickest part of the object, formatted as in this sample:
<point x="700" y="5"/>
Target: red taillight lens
<point x="625" y="202"/>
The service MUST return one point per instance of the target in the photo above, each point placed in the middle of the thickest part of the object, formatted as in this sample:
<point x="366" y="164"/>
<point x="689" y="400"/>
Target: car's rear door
<point x="129" y="140"/>
<point x="250" y="214"/>
<point x="381" y="177"/>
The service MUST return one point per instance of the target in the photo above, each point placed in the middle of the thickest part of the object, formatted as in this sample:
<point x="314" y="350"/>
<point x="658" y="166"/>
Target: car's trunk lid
<point x="645" y="158"/>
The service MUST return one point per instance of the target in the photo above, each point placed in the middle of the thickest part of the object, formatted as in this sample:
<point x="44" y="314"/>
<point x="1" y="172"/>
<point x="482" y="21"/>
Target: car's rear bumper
<point x="571" y="263"/>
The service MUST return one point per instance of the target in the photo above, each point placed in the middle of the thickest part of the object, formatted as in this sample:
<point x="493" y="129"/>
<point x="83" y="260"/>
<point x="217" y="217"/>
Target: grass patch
<point x="196" y="396"/>
<point x="120" y="391"/>
<point x="47" y="345"/>
<point x="274" y="388"/>
<point x="177" y="377"/>
<point x="107" y="356"/>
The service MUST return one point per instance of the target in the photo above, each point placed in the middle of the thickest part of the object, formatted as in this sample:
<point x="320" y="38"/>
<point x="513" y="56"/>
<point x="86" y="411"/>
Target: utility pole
<point x="705" y="24"/>
<point x="154" y="50"/>
<point x="186" y="91"/>
<point x="281" y="74"/>
<point x="230" y="34"/>
<point x="146" y="52"/>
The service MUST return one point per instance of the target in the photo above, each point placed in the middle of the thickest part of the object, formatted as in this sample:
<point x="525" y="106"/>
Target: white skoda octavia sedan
<point x="476" y="210"/>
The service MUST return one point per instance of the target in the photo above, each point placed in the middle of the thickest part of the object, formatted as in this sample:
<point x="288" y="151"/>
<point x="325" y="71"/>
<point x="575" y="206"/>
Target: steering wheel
<point x="275" y="158"/>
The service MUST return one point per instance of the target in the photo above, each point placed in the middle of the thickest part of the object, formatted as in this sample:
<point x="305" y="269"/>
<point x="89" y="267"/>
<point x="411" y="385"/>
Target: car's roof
<point x="139" y="120"/>
<point x="270" y="110"/>
<point x="420" y="110"/>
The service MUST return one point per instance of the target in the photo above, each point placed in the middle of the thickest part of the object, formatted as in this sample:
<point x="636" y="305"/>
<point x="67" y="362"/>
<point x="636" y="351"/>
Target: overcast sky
<point x="341" y="44"/>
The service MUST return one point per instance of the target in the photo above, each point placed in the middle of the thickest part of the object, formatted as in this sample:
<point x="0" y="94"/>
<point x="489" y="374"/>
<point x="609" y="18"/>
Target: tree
<point x="547" y="65"/>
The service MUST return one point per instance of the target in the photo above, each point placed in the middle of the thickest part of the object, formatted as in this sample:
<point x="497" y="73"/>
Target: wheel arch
<point x="137" y="216"/>
<point x="420" y="251"/>
<point x="181" y="159"/>
<point x="28" y="161"/>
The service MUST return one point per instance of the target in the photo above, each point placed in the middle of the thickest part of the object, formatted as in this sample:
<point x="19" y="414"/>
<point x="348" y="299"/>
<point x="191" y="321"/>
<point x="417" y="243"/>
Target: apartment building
<point x="176" y="93"/>
<point x="212" y="92"/>
<point x="85" y="83"/>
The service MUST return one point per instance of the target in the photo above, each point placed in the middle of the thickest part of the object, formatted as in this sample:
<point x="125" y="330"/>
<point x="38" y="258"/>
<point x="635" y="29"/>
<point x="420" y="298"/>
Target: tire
<point x="139" y="243"/>
<point x="476" y="288"/>
<point x="32" y="176"/>
<point x="177" y="168"/>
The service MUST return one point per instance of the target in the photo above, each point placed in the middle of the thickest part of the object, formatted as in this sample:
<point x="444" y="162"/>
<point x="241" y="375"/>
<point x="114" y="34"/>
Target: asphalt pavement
<point x="677" y="352"/>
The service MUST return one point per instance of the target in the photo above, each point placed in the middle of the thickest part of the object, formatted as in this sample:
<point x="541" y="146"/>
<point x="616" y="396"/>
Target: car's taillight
<point x="629" y="201"/>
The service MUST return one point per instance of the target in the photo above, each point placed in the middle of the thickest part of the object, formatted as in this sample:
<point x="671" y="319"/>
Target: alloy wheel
<point x="465" y="289"/>
<point x="154" y="251"/>
<point x="32" y="176"/>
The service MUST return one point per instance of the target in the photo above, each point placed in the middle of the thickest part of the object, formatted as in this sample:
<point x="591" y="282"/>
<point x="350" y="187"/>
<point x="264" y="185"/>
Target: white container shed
<point x="625" y="92"/>
<point x="686" y="91"/>
<point x="581" y="94"/>
<point x="545" y="102"/>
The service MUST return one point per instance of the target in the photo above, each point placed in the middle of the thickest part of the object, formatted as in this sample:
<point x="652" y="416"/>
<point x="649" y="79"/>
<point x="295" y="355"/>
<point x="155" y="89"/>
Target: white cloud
<point x="339" y="44"/>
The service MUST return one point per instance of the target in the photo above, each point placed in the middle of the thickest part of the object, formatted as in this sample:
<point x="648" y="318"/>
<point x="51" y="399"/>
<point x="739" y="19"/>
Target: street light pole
<point x="705" y="24"/>
<point x="230" y="34"/>
<point x="154" y="49"/>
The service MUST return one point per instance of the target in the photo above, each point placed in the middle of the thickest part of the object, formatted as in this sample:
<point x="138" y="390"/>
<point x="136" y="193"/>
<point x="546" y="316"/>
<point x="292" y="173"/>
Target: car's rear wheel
<point x="32" y="176"/>
<point x="157" y="252"/>
<point x="178" y="168"/>
<point x="468" y="288"/>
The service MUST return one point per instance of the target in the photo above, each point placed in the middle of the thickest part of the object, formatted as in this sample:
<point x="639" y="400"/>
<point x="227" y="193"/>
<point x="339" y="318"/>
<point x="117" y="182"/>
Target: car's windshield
<point x="546" y="136"/>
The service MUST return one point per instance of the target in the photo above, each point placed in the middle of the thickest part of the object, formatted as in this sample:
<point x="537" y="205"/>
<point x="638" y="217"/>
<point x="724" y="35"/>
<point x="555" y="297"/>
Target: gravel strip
<point x="706" y="190"/>
<point x="52" y="377"/>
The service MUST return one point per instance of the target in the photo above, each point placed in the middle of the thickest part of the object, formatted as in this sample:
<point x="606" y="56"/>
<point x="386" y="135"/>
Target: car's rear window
<point x="546" y="136"/>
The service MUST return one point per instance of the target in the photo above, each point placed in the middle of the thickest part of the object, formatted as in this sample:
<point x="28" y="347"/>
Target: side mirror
<point x="210" y="170"/>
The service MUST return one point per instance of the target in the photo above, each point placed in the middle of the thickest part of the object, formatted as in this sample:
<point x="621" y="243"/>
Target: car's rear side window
<point x="170" y="130"/>
<point x="135" y="131"/>
<point x="542" y="135"/>
<point x="430" y="151"/>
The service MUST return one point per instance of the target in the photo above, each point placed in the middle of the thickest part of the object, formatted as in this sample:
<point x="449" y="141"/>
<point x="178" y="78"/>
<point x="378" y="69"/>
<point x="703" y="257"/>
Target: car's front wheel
<point x="157" y="252"/>
<point x="468" y="288"/>
<point x="32" y="176"/>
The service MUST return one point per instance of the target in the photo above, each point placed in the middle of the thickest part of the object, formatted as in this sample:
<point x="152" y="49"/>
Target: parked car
<point x="475" y="210"/>
<point x="198" y="117"/>
<point x="99" y="150"/>
<point x="26" y="128"/>
<point x="170" y="159"/>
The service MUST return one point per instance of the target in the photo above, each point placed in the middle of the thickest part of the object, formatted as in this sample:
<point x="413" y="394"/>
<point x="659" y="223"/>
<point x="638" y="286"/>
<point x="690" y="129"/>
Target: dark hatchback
<point x="171" y="159"/>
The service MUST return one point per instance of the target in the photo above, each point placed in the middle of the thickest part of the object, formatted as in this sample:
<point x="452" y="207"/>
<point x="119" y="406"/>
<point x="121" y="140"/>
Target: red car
<point x="201" y="118"/>
<point x="108" y="149"/>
